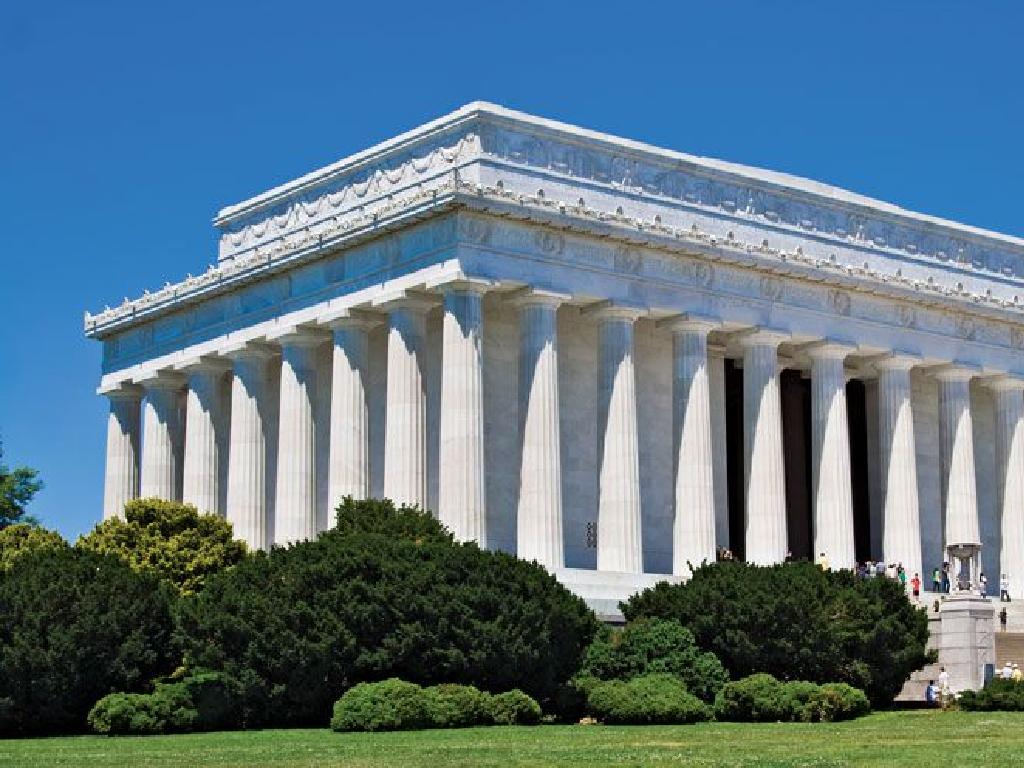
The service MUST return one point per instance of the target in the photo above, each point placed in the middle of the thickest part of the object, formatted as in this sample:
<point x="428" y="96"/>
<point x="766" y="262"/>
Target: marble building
<point x="605" y="356"/>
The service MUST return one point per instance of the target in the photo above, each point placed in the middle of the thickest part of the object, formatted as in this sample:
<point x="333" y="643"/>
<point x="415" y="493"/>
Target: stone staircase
<point x="1009" y="647"/>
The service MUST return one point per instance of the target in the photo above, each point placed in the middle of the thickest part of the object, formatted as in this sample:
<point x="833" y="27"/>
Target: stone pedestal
<point x="967" y="642"/>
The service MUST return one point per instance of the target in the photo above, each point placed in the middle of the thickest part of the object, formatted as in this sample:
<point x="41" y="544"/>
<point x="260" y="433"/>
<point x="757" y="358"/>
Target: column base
<point x="967" y="641"/>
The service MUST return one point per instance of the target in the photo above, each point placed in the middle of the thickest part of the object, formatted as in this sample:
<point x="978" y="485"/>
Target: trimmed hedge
<point x="396" y="705"/>
<point x="998" y="696"/>
<point x="761" y="698"/>
<point x="200" y="702"/>
<point x="652" y="699"/>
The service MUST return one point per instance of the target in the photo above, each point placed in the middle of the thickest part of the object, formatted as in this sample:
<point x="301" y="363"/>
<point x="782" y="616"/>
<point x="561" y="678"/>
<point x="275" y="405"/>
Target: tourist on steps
<point x="1004" y="589"/>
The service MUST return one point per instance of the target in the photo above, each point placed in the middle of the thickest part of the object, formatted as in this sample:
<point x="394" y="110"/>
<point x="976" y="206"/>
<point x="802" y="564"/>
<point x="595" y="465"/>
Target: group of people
<point x="939" y="693"/>
<point x="1011" y="671"/>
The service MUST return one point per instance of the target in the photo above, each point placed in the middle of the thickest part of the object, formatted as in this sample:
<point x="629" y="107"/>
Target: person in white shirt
<point x="1004" y="589"/>
<point x="1006" y="673"/>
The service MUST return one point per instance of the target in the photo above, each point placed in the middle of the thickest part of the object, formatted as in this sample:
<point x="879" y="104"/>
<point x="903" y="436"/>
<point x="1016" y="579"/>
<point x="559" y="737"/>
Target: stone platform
<point x="604" y="590"/>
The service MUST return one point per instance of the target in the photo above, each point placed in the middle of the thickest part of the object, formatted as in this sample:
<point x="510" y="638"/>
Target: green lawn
<point x="887" y="740"/>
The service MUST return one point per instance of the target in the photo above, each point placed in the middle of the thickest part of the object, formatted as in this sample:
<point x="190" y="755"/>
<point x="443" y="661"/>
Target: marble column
<point x="539" y="515"/>
<point x="121" y="481"/>
<point x="253" y="444"/>
<point x="205" y="420"/>
<point x="349" y="473"/>
<point x="901" y="527"/>
<point x="956" y="446"/>
<point x="830" y="456"/>
<point x="1010" y="468"/>
<point x="162" y="435"/>
<point x="765" y="524"/>
<point x="462" y="489"/>
<point x="295" y="500"/>
<point x="693" y="531"/>
<point x="405" y="437"/>
<point x="619" y="543"/>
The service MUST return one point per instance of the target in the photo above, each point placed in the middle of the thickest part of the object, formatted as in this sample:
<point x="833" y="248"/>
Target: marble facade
<point x="530" y="329"/>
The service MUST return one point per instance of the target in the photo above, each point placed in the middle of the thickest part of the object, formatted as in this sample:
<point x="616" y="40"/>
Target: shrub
<point x="381" y="516"/>
<point x="513" y="708"/>
<point x="646" y="700"/>
<point x="390" y="705"/>
<point x="21" y="538"/>
<point x="761" y="698"/>
<point x="170" y="539"/>
<point x="76" y="625"/>
<point x="998" y="695"/>
<point x="797" y="621"/>
<point x="300" y="625"/>
<point x="651" y="647"/>
<point x="456" y="706"/>
<point x="833" y="702"/>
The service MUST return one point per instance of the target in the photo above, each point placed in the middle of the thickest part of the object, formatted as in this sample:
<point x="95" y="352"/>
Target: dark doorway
<point x="795" y="393"/>
<point x="856" y="411"/>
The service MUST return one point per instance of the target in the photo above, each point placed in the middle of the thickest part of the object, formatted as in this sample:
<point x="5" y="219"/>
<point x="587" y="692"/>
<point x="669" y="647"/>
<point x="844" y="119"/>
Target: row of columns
<point x="271" y="421"/>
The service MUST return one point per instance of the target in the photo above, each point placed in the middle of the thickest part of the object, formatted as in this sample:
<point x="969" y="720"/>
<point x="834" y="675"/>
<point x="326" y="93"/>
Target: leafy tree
<point x="300" y="625"/>
<point x="171" y="539"/>
<point x="21" y="538"/>
<point x="651" y="647"/>
<point x="76" y="625"/>
<point x="381" y="516"/>
<point x="797" y="622"/>
<point x="17" y="487"/>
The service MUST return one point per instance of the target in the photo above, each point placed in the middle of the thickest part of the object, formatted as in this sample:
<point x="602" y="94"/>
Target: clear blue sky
<point x="124" y="126"/>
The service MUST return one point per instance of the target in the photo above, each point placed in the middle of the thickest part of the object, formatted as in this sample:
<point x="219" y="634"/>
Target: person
<point x="1002" y="620"/>
<point x="901" y="576"/>
<point x="1017" y="674"/>
<point x="880" y="568"/>
<point x="943" y="681"/>
<point x="1006" y="672"/>
<point x="936" y="580"/>
<point x="931" y="693"/>
<point x="945" y="578"/>
<point x="1004" y="589"/>
<point x="823" y="562"/>
<point x="915" y="585"/>
<point x="983" y="587"/>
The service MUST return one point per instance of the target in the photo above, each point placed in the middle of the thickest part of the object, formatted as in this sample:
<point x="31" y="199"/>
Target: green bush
<point x="797" y="621"/>
<point x="298" y="626"/>
<point x="390" y="705"/>
<point x="199" y="702"/>
<point x="173" y="540"/>
<point x="833" y="702"/>
<point x="382" y="517"/>
<point x="456" y="706"/>
<point x="513" y="708"/>
<point x="75" y="626"/>
<point x="998" y="696"/>
<point x="652" y="647"/>
<point x="761" y="698"/>
<point x="654" y="699"/>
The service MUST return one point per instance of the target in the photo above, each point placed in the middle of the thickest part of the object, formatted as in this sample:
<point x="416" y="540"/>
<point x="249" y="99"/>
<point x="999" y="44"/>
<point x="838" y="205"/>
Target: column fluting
<point x="956" y="443"/>
<point x="766" y="537"/>
<point x="619" y="543"/>
<point x="539" y="517"/>
<point x="121" y="479"/>
<point x="1009" y="428"/>
<point x="901" y="527"/>
<point x="295" y="504"/>
<point x="693" y="531"/>
<point x="462" y="489"/>
<point x="405" y="440"/>
<point x="349" y="473"/>
<point x="830" y="456"/>
<point x="205" y="418"/>
<point x="253" y="440"/>
<point x="162" y="437"/>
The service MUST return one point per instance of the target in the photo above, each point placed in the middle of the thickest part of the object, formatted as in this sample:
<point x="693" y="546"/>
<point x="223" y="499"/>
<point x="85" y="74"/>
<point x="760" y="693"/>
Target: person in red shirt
<point x="915" y="585"/>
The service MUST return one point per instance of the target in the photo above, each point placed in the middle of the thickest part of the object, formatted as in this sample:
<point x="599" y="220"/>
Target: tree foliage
<point x="300" y="625"/>
<point x="21" y="538"/>
<point x="75" y="626"/>
<point x="382" y="517"/>
<point x="171" y="539"/>
<point x="648" y="700"/>
<point x="17" y="487"/>
<point x="651" y="647"/>
<point x="797" y="622"/>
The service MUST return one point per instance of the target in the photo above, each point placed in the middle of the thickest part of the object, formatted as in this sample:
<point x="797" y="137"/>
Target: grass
<point x="889" y="739"/>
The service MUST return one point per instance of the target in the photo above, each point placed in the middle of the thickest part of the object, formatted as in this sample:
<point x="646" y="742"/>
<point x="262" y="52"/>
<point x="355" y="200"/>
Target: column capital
<point x="411" y="301"/>
<point x="347" y="317"/>
<point x="248" y="350"/>
<point x="1006" y="383"/>
<point x="954" y="372"/>
<point x="608" y="312"/>
<point x="690" y="324"/>
<point x="829" y="350"/>
<point x="763" y="337"/>
<point x="162" y="380"/>
<point x="533" y="297"/>
<point x="898" y="361"/>
<point x="121" y="391"/>
<point x="298" y="336"/>
<point x="203" y="364"/>
<point x="459" y="283"/>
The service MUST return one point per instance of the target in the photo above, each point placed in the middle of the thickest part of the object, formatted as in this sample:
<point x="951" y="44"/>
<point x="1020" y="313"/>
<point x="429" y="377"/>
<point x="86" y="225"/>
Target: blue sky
<point x="125" y="126"/>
